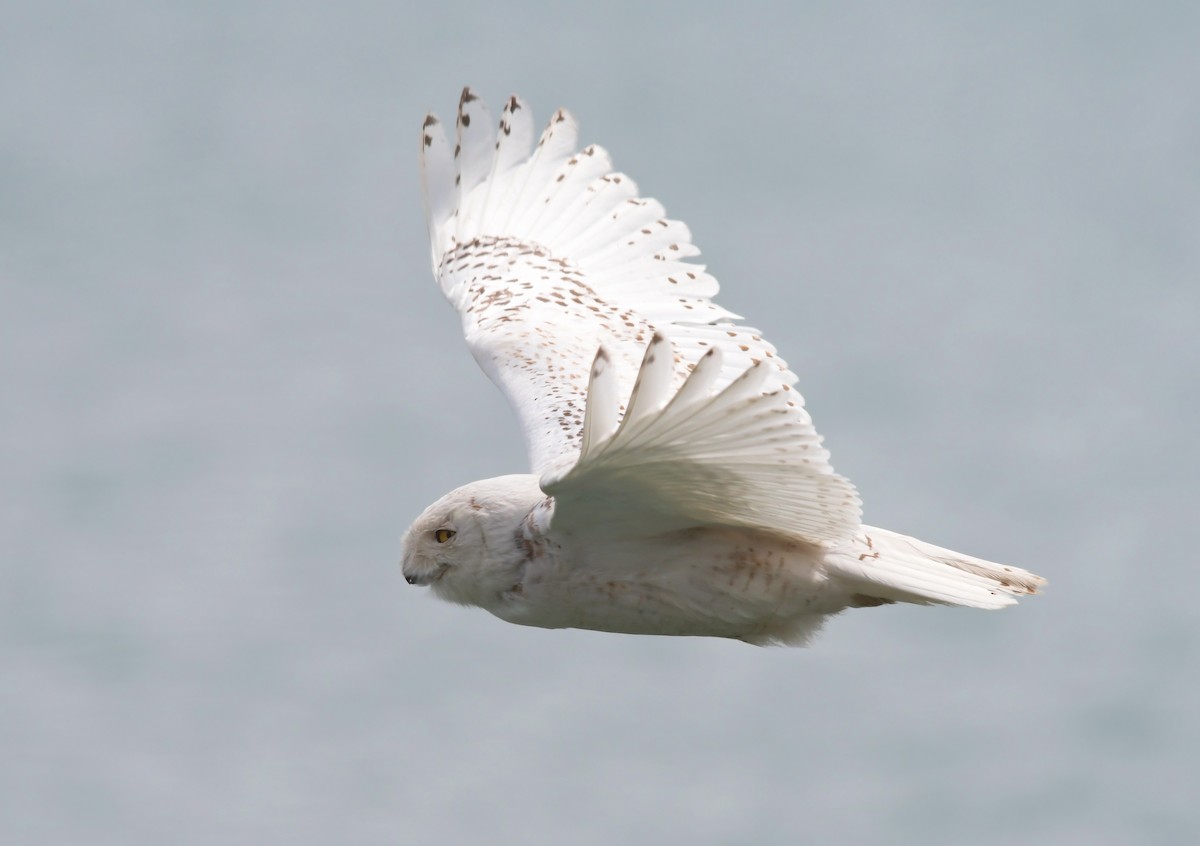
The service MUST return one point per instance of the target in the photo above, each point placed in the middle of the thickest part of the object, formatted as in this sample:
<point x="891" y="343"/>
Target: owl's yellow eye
<point x="443" y="535"/>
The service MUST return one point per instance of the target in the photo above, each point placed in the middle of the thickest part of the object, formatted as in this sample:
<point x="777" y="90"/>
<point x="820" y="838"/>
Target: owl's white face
<point x="465" y="547"/>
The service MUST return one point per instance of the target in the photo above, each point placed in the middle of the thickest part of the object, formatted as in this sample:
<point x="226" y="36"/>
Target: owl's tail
<point x="881" y="566"/>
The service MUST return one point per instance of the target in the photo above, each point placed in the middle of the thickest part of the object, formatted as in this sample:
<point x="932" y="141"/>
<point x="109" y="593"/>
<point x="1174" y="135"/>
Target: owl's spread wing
<point x="549" y="255"/>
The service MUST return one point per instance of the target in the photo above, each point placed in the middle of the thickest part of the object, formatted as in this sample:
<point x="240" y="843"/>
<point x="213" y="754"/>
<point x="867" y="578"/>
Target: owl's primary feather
<point x="680" y="485"/>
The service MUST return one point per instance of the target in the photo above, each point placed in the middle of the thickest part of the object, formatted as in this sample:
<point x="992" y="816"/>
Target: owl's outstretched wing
<point x="549" y="255"/>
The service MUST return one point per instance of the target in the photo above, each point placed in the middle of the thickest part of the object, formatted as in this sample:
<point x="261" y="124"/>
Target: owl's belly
<point x="715" y="582"/>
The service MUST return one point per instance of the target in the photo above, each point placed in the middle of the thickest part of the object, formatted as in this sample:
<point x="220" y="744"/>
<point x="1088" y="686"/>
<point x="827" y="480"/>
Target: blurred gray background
<point x="228" y="382"/>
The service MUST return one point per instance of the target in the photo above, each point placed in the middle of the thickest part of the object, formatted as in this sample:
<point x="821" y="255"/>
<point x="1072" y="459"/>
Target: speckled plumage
<point x="680" y="486"/>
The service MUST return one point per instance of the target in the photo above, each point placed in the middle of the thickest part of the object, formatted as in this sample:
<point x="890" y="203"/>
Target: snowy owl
<point x="678" y="486"/>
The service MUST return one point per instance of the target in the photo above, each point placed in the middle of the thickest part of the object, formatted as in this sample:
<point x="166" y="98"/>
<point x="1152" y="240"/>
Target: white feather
<point x="601" y="415"/>
<point x="892" y="566"/>
<point x="651" y="390"/>
<point x="437" y="182"/>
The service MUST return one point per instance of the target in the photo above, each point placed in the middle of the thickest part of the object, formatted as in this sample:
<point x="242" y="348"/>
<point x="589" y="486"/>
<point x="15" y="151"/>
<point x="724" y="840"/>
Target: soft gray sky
<point x="229" y="382"/>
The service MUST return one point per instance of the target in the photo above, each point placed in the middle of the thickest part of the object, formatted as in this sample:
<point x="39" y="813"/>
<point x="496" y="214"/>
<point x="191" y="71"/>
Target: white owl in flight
<point x="678" y="486"/>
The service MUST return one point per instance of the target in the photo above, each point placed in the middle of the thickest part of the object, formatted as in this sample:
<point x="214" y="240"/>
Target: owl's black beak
<point x="426" y="578"/>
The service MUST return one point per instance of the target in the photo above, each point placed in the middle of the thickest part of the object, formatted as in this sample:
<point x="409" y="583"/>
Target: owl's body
<point x="716" y="581"/>
<point x="713" y="581"/>
<point x="681" y="487"/>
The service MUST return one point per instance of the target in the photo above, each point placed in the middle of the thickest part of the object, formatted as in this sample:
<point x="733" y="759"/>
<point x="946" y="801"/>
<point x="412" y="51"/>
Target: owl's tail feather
<point x="879" y="566"/>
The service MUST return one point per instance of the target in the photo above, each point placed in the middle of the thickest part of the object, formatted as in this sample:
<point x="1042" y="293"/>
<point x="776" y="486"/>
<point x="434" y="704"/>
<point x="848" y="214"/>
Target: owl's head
<point x="466" y="545"/>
